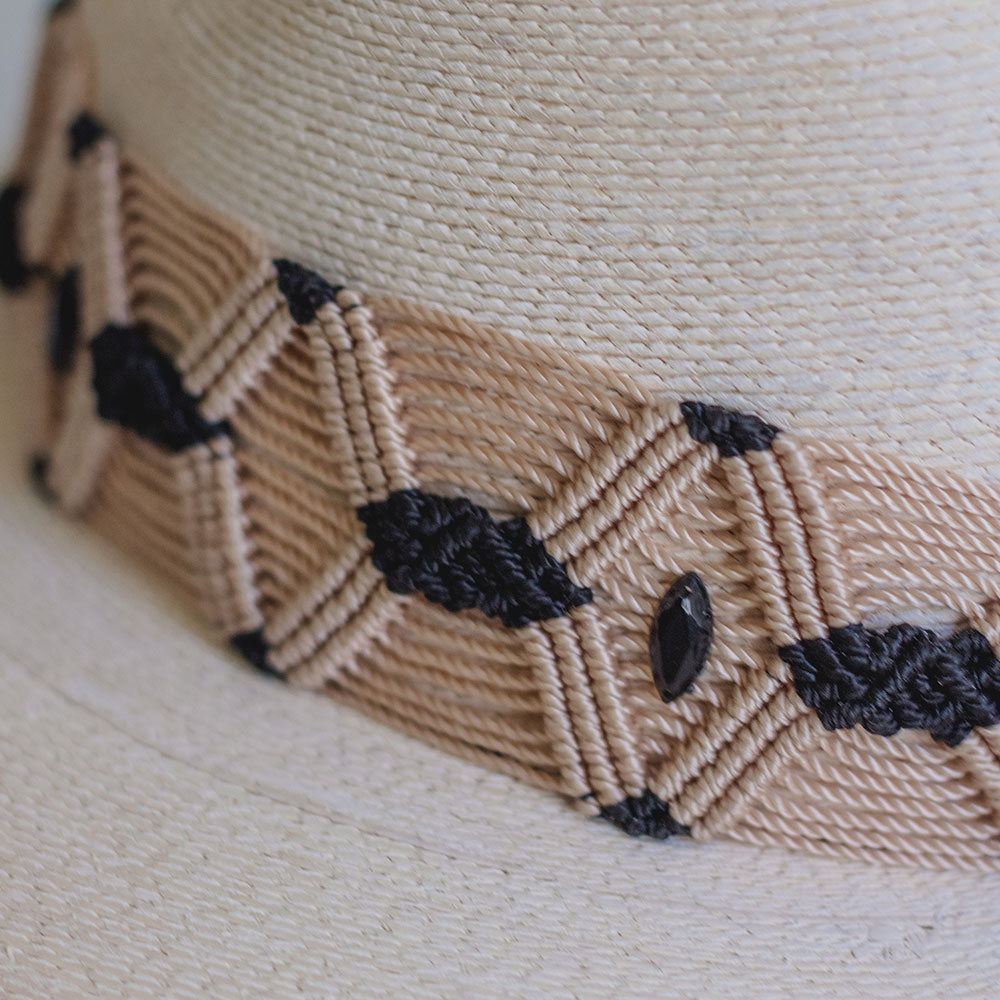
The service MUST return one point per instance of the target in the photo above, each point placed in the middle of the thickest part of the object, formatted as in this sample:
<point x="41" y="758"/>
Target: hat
<point x="568" y="389"/>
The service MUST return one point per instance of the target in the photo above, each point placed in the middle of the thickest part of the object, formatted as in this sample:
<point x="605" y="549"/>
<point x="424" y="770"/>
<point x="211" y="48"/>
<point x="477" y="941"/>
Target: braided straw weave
<point x="373" y="395"/>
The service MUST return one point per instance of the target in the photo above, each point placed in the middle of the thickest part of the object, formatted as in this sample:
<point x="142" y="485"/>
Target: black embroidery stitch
<point x="456" y="555"/>
<point x="252" y="646"/>
<point x="904" y="678"/>
<point x="305" y="290"/>
<point x="731" y="432"/>
<point x="38" y="473"/>
<point x="84" y="132"/>
<point x="138" y="387"/>
<point x="646" y="815"/>
<point x="14" y="272"/>
<point x="65" y="322"/>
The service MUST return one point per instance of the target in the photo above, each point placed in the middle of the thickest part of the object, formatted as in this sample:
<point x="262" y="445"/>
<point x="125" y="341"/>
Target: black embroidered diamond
<point x="64" y="323"/>
<point x="305" y="291"/>
<point x="904" y="678"/>
<point x="252" y="646"/>
<point x="645" y="815"/>
<point x="458" y="556"/>
<point x="85" y="131"/>
<point x="732" y="432"/>
<point x="138" y="387"/>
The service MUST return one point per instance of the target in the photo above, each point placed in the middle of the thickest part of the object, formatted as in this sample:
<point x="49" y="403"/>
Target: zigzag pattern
<point x="346" y="402"/>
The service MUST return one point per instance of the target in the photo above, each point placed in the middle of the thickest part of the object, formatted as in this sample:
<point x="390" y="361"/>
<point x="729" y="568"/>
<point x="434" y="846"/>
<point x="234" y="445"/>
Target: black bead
<point x="14" y="272"/>
<point x="681" y="636"/>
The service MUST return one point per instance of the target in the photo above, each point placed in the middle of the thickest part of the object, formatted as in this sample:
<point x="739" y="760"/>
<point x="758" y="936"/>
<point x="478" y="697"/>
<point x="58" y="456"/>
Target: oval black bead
<point x="681" y="636"/>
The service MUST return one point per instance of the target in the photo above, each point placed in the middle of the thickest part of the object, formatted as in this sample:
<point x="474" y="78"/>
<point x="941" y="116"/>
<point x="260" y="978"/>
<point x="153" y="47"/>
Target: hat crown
<point x="779" y="206"/>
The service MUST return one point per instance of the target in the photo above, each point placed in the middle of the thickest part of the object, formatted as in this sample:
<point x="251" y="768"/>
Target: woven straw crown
<point x="784" y="207"/>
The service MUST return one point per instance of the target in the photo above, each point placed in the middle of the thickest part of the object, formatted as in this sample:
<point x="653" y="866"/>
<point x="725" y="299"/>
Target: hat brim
<point x="173" y="824"/>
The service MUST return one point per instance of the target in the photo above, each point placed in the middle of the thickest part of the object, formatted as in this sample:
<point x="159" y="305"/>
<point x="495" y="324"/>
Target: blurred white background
<point x="20" y="24"/>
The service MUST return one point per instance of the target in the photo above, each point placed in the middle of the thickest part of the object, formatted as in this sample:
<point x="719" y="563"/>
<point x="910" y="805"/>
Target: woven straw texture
<point x="258" y="527"/>
<point x="786" y="206"/>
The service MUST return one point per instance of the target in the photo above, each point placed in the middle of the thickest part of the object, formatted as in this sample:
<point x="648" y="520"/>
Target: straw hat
<point x="601" y="393"/>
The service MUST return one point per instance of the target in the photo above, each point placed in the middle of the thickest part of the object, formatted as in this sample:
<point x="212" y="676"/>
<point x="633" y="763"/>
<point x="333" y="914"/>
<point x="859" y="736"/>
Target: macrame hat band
<point x="680" y="617"/>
